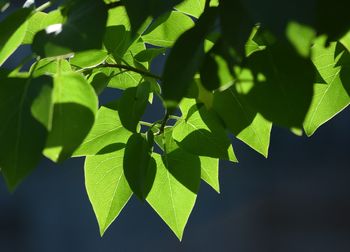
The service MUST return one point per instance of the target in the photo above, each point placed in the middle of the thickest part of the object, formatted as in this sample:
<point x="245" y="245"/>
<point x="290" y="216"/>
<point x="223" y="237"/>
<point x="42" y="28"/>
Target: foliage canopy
<point x="231" y="69"/>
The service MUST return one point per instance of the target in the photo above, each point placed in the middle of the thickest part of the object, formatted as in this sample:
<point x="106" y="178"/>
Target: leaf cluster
<point x="231" y="69"/>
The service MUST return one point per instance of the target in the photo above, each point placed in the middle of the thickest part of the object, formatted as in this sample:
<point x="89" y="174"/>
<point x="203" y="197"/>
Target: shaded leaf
<point x="139" y="168"/>
<point x="75" y="105"/>
<point x="200" y="132"/>
<point x="133" y="104"/>
<point x="12" y="29"/>
<point x="25" y="110"/>
<point x="189" y="50"/>
<point x="83" y="30"/>
<point x="243" y="120"/>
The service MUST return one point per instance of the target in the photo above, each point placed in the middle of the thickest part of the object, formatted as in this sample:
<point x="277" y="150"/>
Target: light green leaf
<point x="140" y="11"/>
<point x="49" y="66"/>
<point x="301" y="37"/>
<point x="200" y="132"/>
<point x="118" y="17"/>
<point x="121" y="78"/>
<point x="243" y="120"/>
<point x="254" y="44"/>
<point x="193" y="8"/>
<point x="74" y="113"/>
<point x="106" y="131"/>
<point x="149" y="54"/>
<point x="106" y="185"/>
<point x="345" y="40"/>
<point x="25" y="110"/>
<point x="39" y="21"/>
<point x="88" y="59"/>
<point x="210" y="172"/>
<point x="175" y="186"/>
<point x="332" y="91"/>
<point x="12" y="30"/>
<point x="166" y="29"/>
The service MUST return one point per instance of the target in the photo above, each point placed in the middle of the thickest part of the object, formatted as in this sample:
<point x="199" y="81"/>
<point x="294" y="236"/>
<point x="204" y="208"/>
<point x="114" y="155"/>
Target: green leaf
<point x="200" y="132"/>
<point x="139" y="11"/>
<point x="189" y="50"/>
<point x="210" y="172"/>
<point x="301" y="37"/>
<point x="121" y="78"/>
<point x="118" y="17"/>
<point x="166" y="29"/>
<point x="243" y="120"/>
<point x="332" y="90"/>
<point x="83" y="30"/>
<point x="106" y="131"/>
<point x="139" y="168"/>
<point x="149" y="54"/>
<point x="88" y="59"/>
<point x="106" y="185"/>
<point x="75" y="105"/>
<point x="192" y="8"/>
<point x="49" y="66"/>
<point x="235" y="23"/>
<point x="25" y="110"/>
<point x="39" y="21"/>
<point x="254" y="43"/>
<point x="217" y="68"/>
<point x="133" y="104"/>
<point x="346" y="41"/>
<point x="12" y="29"/>
<point x="175" y="185"/>
<point x="282" y="84"/>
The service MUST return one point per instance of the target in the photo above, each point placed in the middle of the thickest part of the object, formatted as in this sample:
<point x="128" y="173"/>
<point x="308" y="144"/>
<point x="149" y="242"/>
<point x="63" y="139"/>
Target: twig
<point x="43" y="6"/>
<point x="162" y="126"/>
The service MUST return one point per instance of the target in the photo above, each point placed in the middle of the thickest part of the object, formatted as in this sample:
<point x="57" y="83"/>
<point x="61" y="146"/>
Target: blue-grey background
<point x="296" y="200"/>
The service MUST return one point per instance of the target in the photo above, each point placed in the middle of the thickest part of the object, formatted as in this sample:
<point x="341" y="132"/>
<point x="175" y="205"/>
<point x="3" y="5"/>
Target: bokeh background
<point x="296" y="200"/>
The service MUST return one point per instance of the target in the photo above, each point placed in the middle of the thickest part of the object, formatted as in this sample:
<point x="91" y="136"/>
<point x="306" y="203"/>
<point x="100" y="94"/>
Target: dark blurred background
<point x="296" y="200"/>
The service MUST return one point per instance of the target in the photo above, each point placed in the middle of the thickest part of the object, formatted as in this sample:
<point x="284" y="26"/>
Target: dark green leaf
<point x="243" y="120"/>
<point x="139" y="168"/>
<point x="25" y="110"/>
<point x="12" y="30"/>
<point x="189" y="50"/>
<point x="133" y="104"/>
<point x="83" y="30"/>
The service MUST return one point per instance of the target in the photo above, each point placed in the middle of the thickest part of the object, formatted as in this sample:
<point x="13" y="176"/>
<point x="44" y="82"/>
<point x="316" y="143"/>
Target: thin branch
<point x="147" y="124"/>
<point x="43" y="6"/>
<point x="130" y="68"/>
<point x="162" y="126"/>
